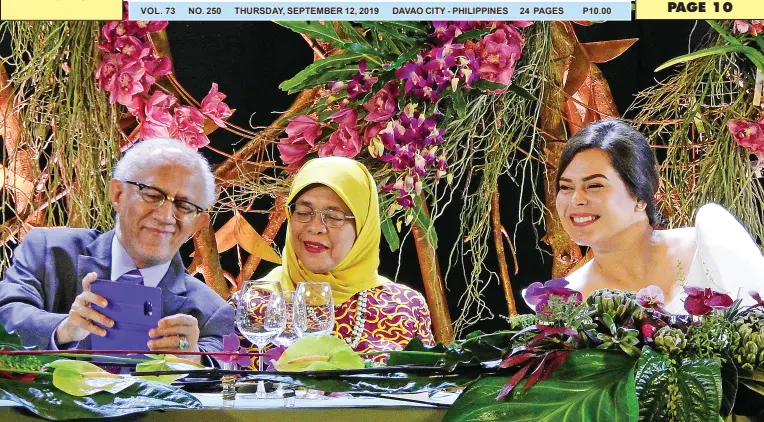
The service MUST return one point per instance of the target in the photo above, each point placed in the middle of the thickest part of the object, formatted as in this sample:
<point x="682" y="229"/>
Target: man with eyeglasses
<point x="160" y="187"/>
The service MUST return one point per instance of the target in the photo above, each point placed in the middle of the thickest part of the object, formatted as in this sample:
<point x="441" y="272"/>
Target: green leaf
<point x="319" y="353"/>
<point x="700" y="387"/>
<point x="10" y="341"/>
<point x="320" y="31"/>
<point x="353" y="34"/>
<point x="80" y="378"/>
<point x="371" y="380"/>
<point x="751" y="53"/>
<point x="486" y="85"/>
<point x="416" y="27"/>
<point x="166" y="363"/>
<point x="460" y="104"/>
<point x="592" y="385"/>
<point x="477" y="349"/>
<point x="391" y="235"/>
<point x="316" y="71"/>
<point x="424" y="222"/>
<point x="403" y="59"/>
<point x="729" y="385"/>
<point x="472" y="34"/>
<point x="45" y="400"/>
<point x="522" y="92"/>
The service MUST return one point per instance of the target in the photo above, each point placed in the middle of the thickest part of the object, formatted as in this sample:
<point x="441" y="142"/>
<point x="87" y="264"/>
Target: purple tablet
<point x="135" y="309"/>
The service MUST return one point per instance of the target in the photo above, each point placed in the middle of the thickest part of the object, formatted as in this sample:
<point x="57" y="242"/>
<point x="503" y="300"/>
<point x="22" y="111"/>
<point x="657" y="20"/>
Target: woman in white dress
<point x="606" y="183"/>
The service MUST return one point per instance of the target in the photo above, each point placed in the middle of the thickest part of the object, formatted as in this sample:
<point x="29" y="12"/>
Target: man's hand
<point x="172" y="331"/>
<point x="79" y="323"/>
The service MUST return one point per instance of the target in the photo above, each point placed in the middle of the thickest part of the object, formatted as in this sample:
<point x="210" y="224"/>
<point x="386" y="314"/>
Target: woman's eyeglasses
<point x="329" y="217"/>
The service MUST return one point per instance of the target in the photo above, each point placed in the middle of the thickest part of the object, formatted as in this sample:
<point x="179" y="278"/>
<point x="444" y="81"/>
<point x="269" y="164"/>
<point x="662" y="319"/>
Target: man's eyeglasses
<point x="181" y="209"/>
<point x="330" y="218"/>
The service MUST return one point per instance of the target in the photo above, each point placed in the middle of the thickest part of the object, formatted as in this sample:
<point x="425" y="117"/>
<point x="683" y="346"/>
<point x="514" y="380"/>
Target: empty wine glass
<point x="313" y="309"/>
<point x="289" y="335"/>
<point x="261" y="317"/>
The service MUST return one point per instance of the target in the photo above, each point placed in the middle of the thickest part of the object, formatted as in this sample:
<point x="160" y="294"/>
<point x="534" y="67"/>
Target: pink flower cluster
<point x="129" y="71"/>
<point x="749" y="135"/>
<point x="753" y="27"/>
<point x="408" y="138"/>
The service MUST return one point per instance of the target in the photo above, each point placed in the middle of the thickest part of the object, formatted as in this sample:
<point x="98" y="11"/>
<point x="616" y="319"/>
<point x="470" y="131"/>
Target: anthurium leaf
<point x="80" y="378"/>
<point x="45" y="400"/>
<point x="699" y="381"/>
<point x="166" y="363"/>
<point x="319" y="353"/>
<point x="592" y="385"/>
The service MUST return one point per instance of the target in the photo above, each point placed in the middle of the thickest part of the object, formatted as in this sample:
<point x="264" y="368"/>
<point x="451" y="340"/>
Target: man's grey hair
<point x="155" y="152"/>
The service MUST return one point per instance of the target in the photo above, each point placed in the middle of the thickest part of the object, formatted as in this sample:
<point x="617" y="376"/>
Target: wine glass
<point x="313" y="309"/>
<point x="261" y="317"/>
<point x="289" y="335"/>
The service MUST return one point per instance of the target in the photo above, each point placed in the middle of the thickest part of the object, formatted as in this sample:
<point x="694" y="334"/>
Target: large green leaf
<point x="376" y="380"/>
<point x="45" y="400"/>
<point x="699" y="381"/>
<point x="353" y="34"/>
<point x="345" y="63"/>
<point x="729" y="386"/>
<point x="592" y="385"/>
<point x="166" y="363"/>
<point x="478" y="348"/>
<point x="80" y="378"/>
<point x="313" y="353"/>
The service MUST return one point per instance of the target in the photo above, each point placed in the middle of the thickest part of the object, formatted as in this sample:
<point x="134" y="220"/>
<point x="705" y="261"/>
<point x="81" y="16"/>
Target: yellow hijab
<point x="358" y="270"/>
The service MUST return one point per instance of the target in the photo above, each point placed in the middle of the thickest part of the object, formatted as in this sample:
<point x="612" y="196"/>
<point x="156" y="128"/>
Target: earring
<point x="641" y="206"/>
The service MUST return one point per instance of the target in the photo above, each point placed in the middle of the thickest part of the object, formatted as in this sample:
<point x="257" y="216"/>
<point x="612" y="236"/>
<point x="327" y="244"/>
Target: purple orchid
<point x="701" y="301"/>
<point x="271" y="356"/>
<point x="651" y="297"/>
<point x="232" y="345"/>
<point x="537" y="294"/>
<point x="382" y="106"/>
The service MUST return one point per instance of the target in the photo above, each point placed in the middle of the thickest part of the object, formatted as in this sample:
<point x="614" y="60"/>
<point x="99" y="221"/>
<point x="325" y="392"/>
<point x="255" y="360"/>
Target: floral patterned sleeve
<point x="424" y="322"/>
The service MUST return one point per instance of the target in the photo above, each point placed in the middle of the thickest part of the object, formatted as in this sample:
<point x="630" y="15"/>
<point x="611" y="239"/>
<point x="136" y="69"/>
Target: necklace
<point x="358" y="324"/>
<point x="360" y="320"/>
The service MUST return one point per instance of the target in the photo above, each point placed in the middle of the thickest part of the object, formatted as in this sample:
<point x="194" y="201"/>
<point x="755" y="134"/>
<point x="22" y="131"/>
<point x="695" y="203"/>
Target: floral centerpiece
<point x="614" y="355"/>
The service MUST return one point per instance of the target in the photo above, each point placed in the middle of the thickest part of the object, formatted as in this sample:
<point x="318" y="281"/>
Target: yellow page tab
<point x="700" y="9"/>
<point x="35" y="10"/>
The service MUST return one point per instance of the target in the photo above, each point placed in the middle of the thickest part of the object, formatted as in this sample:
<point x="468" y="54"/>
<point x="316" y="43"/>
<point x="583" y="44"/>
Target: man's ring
<point x="183" y="343"/>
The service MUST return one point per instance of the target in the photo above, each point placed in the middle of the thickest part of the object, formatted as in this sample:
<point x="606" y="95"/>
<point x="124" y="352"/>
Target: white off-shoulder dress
<point x="726" y="260"/>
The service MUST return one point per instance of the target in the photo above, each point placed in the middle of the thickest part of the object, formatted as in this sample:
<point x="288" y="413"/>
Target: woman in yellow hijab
<point x="333" y="235"/>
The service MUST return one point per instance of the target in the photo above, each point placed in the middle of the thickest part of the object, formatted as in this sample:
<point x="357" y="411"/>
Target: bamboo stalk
<point x="207" y="250"/>
<point x="499" y="244"/>
<point x="565" y="253"/>
<point x="434" y="288"/>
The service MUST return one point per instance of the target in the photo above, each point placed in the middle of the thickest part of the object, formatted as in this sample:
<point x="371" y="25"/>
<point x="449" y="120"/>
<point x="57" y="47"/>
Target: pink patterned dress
<point x="395" y="314"/>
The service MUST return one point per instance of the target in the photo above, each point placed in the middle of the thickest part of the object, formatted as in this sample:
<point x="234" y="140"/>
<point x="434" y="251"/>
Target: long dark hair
<point x="629" y="153"/>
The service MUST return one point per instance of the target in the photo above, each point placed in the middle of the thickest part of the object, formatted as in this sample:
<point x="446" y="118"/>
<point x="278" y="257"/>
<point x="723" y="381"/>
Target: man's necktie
<point x="131" y="277"/>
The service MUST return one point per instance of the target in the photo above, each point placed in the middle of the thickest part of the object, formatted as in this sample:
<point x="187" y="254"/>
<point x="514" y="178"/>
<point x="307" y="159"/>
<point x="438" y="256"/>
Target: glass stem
<point x="260" y="384"/>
